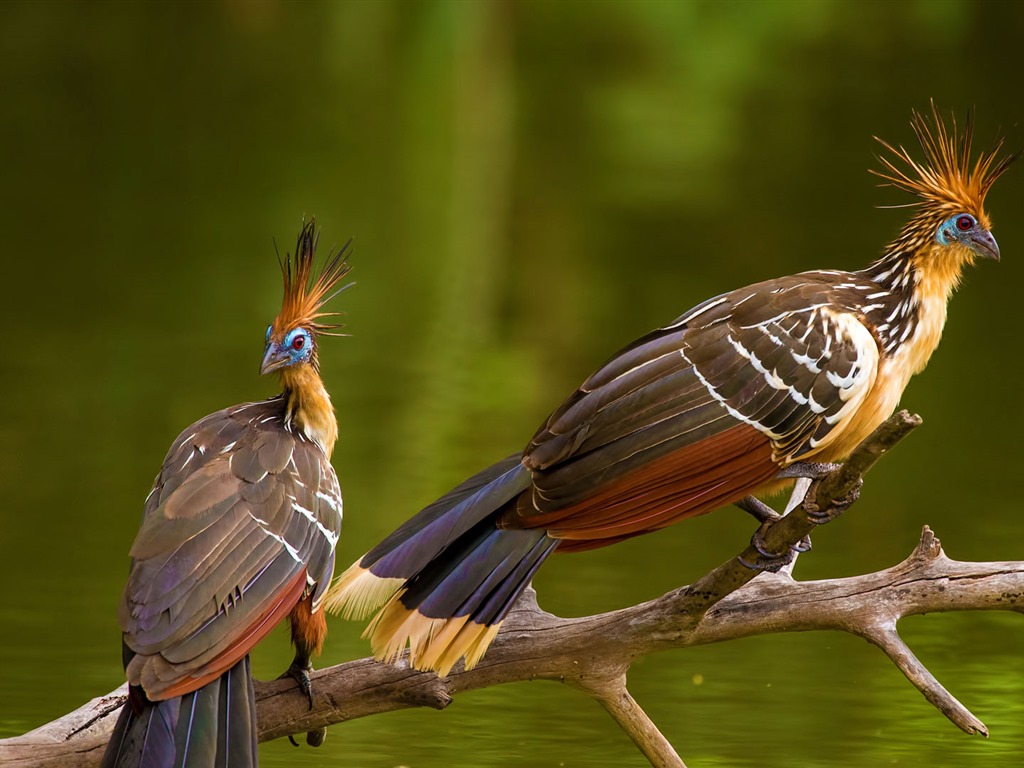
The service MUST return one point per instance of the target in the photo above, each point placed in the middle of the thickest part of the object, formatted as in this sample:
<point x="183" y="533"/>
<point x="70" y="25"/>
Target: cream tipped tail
<point x="357" y="593"/>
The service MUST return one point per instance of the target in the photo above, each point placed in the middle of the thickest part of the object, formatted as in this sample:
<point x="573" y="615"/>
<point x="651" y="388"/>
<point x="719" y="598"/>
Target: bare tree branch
<point x="594" y="653"/>
<point x="620" y="704"/>
<point x="830" y="495"/>
<point x="888" y="639"/>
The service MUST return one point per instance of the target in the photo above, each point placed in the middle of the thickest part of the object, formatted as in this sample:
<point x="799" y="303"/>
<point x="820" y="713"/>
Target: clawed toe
<point x="300" y="675"/>
<point x="767" y="560"/>
<point x="835" y="508"/>
<point x="316" y="738"/>
<point x="313" y="738"/>
<point x="299" y="672"/>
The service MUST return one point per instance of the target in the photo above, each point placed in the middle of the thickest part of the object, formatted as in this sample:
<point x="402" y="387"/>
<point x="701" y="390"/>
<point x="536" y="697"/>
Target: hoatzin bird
<point x="239" y="532"/>
<point x="705" y="412"/>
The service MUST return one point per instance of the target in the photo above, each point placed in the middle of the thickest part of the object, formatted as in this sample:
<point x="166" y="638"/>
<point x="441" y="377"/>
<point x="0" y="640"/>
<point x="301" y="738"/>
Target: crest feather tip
<point x="946" y="179"/>
<point x="306" y="289"/>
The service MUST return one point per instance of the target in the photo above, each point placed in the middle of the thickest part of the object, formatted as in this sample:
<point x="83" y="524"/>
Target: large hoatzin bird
<point x="702" y="413"/>
<point x="239" y="532"/>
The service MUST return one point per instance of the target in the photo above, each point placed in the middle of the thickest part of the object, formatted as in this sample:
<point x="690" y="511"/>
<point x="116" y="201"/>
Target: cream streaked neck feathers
<point x="309" y="405"/>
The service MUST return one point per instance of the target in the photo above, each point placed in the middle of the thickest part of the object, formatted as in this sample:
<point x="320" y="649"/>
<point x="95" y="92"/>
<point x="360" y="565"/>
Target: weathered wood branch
<point x="594" y="653"/>
<point x="620" y="704"/>
<point x="536" y="645"/>
<point x="832" y="495"/>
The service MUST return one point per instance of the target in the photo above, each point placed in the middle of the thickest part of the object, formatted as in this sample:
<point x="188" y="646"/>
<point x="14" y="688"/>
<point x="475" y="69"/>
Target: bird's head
<point x="967" y="231"/>
<point x="951" y="227"/>
<point x="291" y="342"/>
<point x="297" y="347"/>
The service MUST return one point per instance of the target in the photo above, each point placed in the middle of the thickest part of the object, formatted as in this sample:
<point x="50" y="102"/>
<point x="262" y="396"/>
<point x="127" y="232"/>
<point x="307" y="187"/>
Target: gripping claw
<point x="299" y="672"/>
<point x="836" y="508"/>
<point x="767" y="560"/>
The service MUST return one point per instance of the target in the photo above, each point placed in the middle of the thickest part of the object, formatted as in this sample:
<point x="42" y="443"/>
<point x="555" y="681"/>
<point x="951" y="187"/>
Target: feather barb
<point x="947" y="179"/>
<point x="307" y="291"/>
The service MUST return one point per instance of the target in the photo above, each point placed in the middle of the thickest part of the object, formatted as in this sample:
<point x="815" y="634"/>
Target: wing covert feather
<point x="244" y="513"/>
<point x="656" y="425"/>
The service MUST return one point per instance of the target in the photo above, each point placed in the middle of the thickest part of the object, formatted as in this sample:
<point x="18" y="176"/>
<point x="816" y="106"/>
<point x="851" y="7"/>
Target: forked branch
<point x="594" y="653"/>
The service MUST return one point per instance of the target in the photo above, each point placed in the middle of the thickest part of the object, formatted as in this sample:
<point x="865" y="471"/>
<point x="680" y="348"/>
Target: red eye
<point x="298" y="342"/>
<point x="965" y="222"/>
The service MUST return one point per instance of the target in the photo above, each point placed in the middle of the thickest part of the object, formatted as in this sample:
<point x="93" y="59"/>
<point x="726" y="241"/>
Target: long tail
<point x="444" y="581"/>
<point x="213" y="726"/>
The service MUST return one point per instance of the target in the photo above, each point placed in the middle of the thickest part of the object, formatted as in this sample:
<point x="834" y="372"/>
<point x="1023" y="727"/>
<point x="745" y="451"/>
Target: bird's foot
<point x="316" y="738"/>
<point x="814" y="470"/>
<point x="299" y="672"/>
<point x="804" y="545"/>
<point x="766" y="560"/>
<point x="833" y="509"/>
<point x="313" y="738"/>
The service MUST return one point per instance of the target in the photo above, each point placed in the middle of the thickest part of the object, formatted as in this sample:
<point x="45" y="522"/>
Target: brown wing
<point x="700" y="413"/>
<point x="241" y="523"/>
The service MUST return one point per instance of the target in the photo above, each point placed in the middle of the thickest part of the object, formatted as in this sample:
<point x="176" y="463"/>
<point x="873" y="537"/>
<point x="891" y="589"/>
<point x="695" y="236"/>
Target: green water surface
<point x="531" y="186"/>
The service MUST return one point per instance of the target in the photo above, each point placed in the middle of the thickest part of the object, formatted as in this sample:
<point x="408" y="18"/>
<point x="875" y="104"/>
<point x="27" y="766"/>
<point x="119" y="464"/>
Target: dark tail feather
<point x="454" y="607"/>
<point x="478" y="577"/>
<point x="237" y="727"/>
<point x="447" y="577"/>
<point x="421" y="538"/>
<point x="144" y="739"/>
<point x="382" y="571"/>
<point x="213" y="726"/>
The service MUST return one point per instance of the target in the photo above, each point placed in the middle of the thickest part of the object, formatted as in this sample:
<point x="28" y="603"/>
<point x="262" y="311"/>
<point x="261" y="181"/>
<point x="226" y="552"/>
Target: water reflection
<point x="530" y="187"/>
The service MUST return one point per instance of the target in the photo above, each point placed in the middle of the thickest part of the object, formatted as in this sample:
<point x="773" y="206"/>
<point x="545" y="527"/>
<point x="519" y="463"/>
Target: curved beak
<point x="274" y="358"/>
<point x="983" y="244"/>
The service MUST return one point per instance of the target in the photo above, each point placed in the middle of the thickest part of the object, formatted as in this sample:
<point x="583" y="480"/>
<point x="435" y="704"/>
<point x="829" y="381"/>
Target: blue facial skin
<point x="964" y="229"/>
<point x="294" y="349"/>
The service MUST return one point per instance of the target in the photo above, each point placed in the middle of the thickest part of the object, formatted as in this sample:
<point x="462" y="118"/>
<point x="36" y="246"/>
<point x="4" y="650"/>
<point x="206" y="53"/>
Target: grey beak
<point x="983" y="244"/>
<point x="272" y="359"/>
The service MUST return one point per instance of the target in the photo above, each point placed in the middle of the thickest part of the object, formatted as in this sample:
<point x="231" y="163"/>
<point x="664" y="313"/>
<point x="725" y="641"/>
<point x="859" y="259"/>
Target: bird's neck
<point x="309" y="406"/>
<point x="911" y="314"/>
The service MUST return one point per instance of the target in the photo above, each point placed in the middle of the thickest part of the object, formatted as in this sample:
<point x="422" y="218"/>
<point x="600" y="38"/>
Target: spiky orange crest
<point x="305" y="291"/>
<point x="947" y="182"/>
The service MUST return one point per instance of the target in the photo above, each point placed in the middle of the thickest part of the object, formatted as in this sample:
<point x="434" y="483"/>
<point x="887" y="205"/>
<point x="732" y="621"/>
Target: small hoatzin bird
<point x="239" y="532"/>
<point x="705" y="412"/>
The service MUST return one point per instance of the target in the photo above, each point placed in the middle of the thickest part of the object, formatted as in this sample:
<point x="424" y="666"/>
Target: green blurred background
<point x="531" y="185"/>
